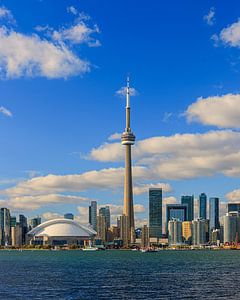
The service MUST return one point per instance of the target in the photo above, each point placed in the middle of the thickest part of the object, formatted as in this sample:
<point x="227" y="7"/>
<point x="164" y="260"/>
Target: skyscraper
<point x="203" y="206"/>
<point x="199" y="232"/>
<point x="5" y="229"/>
<point x="24" y="226"/>
<point x="189" y="201"/>
<point x="35" y="222"/>
<point x="105" y="211"/>
<point x="128" y="139"/>
<point x="155" y="213"/>
<point x="231" y="227"/>
<point x="187" y="231"/>
<point x="175" y="232"/>
<point x="93" y="215"/>
<point x="213" y="214"/>
<point x="176" y="211"/>
<point x="233" y="207"/>
<point x="102" y="228"/>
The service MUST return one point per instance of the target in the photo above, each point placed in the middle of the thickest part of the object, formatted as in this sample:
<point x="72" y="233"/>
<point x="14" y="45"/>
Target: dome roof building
<point x="60" y="232"/>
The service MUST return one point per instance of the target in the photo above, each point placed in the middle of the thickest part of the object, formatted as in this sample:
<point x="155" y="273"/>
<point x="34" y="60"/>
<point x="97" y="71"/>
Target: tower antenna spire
<point x="128" y="92"/>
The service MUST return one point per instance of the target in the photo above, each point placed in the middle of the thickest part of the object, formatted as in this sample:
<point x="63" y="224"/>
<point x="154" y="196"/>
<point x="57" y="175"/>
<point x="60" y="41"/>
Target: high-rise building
<point x="16" y="235"/>
<point x="93" y="215"/>
<point x="189" y="201"/>
<point x="69" y="216"/>
<point x="175" y="211"/>
<point x="23" y="224"/>
<point x="233" y="207"/>
<point x="128" y="139"/>
<point x="199" y="232"/>
<point x="105" y="211"/>
<point x="13" y="221"/>
<point x="102" y="228"/>
<point x="124" y="230"/>
<point x="231" y="227"/>
<point x="187" y="232"/>
<point x="145" y="236"/>
<point x="155" y="212"/>
<point x="34" y="222"/>
<point x="203" y="206"/>
<point x="213" y="214"/>
<point x="174" y="232"/>
<point x="5" y="229"/>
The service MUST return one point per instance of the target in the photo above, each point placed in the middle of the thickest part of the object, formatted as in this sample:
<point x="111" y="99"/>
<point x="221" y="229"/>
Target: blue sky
<point x="61" y="63"/>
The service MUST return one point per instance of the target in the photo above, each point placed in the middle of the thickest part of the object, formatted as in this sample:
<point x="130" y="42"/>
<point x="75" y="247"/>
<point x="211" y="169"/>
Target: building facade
<point x="203" y="206"/>
<point x="231" y="227"/>
<point x="155" y="213"/>
<point x="174" y="232"/>
<point x="213" y="214"/>
<point x="187" y="232"/>
<point x="189" y="201"/>
<point x="199" y="232"/>
<point x="175" y="211"/>
<point x="93" y="215"/>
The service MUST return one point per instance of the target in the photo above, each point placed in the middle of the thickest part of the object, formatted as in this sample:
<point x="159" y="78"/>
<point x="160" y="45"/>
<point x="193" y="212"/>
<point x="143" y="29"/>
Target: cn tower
<point x="128" y="139"/>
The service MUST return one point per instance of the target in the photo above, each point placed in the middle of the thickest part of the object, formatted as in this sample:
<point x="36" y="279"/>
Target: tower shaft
<point x="128" y="140"/>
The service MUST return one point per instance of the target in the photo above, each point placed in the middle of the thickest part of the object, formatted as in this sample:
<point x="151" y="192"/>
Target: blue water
<point x="119" y="275"/>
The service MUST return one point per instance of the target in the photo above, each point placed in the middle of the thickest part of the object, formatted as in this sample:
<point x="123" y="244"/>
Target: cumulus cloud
<point x="180" y="156"/>
<point x="229" y="36"/>
<point x="144" y="188"/>
<point x="209" y="18"/>
<point x="30" y="56"/>
<point x="234" y="196"/>
<point x="51" y="215"/>
<point x="5" y="111"/>
<point x="32" y="202"/>
<point x="51" y="56"/>
<point x="222" y="111"/>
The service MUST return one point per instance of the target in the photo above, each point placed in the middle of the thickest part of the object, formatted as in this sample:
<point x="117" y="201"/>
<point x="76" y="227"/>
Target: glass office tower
<point x="155" y="212"/>
<point x="189" y="201"/>
<point x="213" y="214"/>
<point x="203" y="206"/>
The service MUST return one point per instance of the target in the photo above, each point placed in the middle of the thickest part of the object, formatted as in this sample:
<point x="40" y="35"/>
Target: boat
<point x="89" y="249"/>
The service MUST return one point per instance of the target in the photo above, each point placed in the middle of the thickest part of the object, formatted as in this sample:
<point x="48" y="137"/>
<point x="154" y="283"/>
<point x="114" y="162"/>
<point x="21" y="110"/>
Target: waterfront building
<point x="93" y="215"/>
<point x="24" y="226"/>
<point x="213" y="214"/>
<point x="60" y="232"/>
<point x="233" y="207"/>
<point x="174" y="232"/>
<point x="187" y="231"/>
<point x="5" y="229"/>
<point x="199" y="232"/>
<point x="34" y="222"/>
<point x="128" y="139"/>
<point x="105" y="211"/>
<point x="231" y="227"/>
<point x="215" y="237"/>
<point x="115" y="232"/>
<point x="203" y="206"/>
<point x="145" y="237"/>
<point x="69" y="216"/>
<point x="155" y="212"/>
<point x="189" y="201"/>
<point x="124" y="230"/>
<point x="102" y="228"/>
<point x="175" y="211"/>
<point x="16" y="235"/>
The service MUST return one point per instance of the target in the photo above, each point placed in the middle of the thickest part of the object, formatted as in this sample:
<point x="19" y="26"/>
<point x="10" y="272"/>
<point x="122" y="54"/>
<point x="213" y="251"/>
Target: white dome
<point x="62" y="228"/>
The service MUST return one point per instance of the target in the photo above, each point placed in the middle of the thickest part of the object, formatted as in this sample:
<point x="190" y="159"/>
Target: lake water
<point x="119" y="275"/>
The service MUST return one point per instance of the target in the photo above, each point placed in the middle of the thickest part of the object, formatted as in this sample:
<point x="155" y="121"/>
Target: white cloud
<point x="229" y="36"/>
<point x="222" y="111"/>
<point x="32" y="202"/>
<point x="114" y="136"/>
<point x="77" y="34"/>
<point x="22" y="55"/>
<point x="234" y="196"/>
<point x="144" y="188"/>
<point x="5" y="111"/>
<point x="6" y="14"/>
<point x="123" y="90"/>
<point x="72" y="10"/>
<point x="167" y="116"/>
<point x="180" y="156"/>
<point x="209" y="18"/>
<point x="51" y="215"/>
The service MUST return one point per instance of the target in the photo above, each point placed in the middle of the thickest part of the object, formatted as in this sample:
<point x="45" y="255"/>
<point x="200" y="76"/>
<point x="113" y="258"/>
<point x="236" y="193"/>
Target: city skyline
<point x="61" y="124"/>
